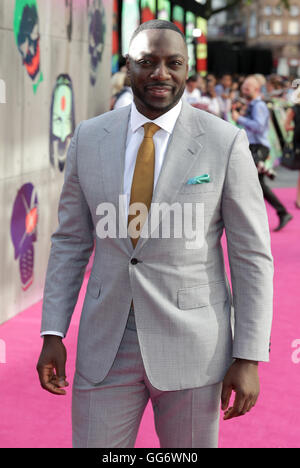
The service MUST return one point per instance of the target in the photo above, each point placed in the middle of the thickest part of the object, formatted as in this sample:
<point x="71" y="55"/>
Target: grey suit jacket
<point x="181" y="296"/>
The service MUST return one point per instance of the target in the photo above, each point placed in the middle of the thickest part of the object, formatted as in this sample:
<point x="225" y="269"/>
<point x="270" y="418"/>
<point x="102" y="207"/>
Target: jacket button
<point x="134" y="261"/>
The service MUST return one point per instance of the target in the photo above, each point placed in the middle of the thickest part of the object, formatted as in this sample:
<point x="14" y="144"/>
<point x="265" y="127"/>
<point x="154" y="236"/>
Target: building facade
<point x="270" y="25"/>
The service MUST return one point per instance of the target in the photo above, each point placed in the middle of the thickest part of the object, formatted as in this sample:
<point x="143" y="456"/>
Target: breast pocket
<point x="197" y="188"/>
<point x="94" y="287"/>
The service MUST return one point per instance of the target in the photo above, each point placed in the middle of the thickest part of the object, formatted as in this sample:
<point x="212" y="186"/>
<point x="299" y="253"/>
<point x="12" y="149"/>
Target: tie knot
<point x="150" y="129"/>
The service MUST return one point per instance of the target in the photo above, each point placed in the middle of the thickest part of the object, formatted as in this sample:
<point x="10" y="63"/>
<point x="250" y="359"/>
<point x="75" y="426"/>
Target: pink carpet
<point x="30" y="417"/>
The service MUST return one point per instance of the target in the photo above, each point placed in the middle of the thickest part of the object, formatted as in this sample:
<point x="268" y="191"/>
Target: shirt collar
<point x="258" y="98"/>
<point x="166" y="121"/>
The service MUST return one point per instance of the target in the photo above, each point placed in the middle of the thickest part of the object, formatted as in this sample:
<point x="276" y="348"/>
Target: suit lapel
<point x="183" y="149"/>
<point x="112" y="151"/>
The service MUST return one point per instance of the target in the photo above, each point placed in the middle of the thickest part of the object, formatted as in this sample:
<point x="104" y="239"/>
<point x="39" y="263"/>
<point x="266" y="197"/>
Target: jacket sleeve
<point x="71" y="246"/>
<point x="249" y="252"/>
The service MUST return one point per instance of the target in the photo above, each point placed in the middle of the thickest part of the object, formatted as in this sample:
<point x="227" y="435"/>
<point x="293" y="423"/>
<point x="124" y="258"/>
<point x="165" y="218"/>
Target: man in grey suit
<point x="157" y="319"/>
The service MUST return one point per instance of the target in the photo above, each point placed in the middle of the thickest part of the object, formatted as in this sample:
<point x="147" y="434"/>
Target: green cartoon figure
<point x="62" y="120"/>
<point x="27" y="36"/>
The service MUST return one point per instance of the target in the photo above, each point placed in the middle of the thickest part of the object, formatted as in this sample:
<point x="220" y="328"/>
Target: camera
<point x="262" y="169"/>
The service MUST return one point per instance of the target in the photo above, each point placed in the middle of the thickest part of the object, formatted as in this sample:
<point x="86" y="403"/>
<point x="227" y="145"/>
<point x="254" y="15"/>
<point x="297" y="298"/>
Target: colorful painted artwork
<point x="115" y="38"/>
<point x="164" y="10"/>
<point x="189" y="28"/>
<point x="130" y="21"/>
<point x="178" y="17"/>
<point x="23" y="231"/>
<point x="62" y="121"/>
<point x="69" y="18"/>
<point x="202" y="46"/>
<point x="27" y="36"/>
<point x="148" y="10"/>
<point x="96" y="37"/>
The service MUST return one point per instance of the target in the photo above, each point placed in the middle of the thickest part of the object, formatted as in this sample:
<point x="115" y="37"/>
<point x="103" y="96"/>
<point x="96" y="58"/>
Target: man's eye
<point x="144" y="62"/>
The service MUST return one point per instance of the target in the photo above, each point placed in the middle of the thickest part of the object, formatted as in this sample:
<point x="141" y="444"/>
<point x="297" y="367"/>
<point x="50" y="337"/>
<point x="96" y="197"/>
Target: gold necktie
<point x="143" y="177"/>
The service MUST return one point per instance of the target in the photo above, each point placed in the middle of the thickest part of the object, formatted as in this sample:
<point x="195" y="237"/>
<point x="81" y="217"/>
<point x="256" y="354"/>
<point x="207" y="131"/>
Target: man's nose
<point x="161" y="72"/>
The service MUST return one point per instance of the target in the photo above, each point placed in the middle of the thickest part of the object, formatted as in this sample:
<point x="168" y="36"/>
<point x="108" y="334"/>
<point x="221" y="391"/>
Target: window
<point x="266" y="27"/>
<point x="252" y="25"/>
<point x="277" y="10"/>
<point x="267" y="10"/>
<point x="277" y="27"/>
<point x="293" y="28"/>
<point x="294" y="10"/>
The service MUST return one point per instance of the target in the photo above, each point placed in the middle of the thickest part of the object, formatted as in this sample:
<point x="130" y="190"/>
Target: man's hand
<point x="242" y="378"/>
<point x="51" y="365"/>
<point x="235" y="115"/>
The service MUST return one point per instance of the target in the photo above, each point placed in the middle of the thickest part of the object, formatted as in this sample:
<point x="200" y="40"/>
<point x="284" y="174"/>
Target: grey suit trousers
<point x="108" y="414"/>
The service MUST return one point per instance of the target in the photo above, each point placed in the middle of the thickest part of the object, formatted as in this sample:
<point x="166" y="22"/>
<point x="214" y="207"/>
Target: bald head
<point x="251" y="88"/>
<point x="157" y="24"/>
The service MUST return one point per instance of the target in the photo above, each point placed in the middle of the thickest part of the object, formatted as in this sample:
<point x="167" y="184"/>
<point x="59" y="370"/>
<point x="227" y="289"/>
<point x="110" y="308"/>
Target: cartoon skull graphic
<point x="26" y="29"/>
<point x="96" y="37"/>
<point x="69" y="18"/>
<point x="23" y="231"/>
<point x="62" y="120"/>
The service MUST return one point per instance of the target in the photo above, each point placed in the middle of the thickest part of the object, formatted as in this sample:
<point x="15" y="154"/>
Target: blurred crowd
<point x="221" y="96"/>
<point x="267" y="107"/>
<point x="217" y="95"/>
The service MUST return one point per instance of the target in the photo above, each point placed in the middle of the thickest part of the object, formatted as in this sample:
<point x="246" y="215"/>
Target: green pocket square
<point x="203" y="179"/>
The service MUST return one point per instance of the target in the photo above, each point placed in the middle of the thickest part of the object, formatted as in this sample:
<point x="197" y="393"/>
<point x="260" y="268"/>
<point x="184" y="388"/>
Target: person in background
<point x="289" y="91"/>
<point x="274" y="87"/>
<point x="117" y="84"/>
<point x="262" y="81"/>
<point x="201" y="84"/>
<point x="223" y="90"/>
<point x="241" y="80"/>
<point x="224" y="87"/>
<point x="210" y="99"/>
<point x="125" y="96"/>
<point x="256" y="124"/>
<point x="235" y="88"/>
<point x="192" y="94"/>
<point x="293" y="116"/>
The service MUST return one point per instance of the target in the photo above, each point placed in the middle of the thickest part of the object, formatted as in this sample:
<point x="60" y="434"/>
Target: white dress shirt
<point x="135" y="136"/>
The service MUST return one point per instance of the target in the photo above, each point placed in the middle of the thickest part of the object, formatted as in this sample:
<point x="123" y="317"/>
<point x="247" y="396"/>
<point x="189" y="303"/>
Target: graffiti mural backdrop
<point x="55" y="59"/>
